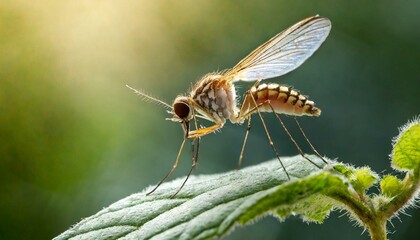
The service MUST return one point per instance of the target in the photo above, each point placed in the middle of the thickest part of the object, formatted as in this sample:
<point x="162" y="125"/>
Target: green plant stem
<point x="412" y="184"/>
<point x="368" y="216"/>
<point x="375" y="218"/>
<point x="377" y="229"/>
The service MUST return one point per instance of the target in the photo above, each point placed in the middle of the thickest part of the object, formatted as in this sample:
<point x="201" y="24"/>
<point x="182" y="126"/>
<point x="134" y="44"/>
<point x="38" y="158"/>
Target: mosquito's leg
<point x="245" y="115"/>
<point x="243" y="145"/>
<point x="189" y="173"/>
<point x="310" y="144"/>
<point x="269" y="138"/>
<point x="291" y="137"/>
<point x="204" y="131"/>
<point x="173" y="167"/>
<point x="257" y="83"/>
<point x="194" y="163"/>
<point x="247" y="100"/>
<point x="194" y="154"/>
<point x="195" y="118"/>
<point x="195" y="159"/>
<point x="195" y="149"/>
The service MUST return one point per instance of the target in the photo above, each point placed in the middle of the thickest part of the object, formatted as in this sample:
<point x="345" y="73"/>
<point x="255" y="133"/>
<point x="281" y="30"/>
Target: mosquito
<point x="214" y="98"/>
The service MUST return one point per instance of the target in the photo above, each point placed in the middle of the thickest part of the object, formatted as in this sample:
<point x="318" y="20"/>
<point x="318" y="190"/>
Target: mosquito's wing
<point x="284" y="52"/>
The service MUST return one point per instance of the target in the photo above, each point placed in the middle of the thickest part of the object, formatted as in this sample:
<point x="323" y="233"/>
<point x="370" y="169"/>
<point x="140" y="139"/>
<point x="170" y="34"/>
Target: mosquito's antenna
<point x="150" y="98"/>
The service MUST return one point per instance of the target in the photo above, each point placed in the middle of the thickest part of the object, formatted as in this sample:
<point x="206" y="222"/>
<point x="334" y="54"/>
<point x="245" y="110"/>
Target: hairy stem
<point x="412" y="184"/>
<point x="377" y="229"/>
<point x="369" y="217"/>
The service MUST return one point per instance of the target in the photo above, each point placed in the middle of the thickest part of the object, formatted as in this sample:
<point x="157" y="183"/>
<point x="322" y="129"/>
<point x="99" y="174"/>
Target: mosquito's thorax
<point x="216" y="98"/>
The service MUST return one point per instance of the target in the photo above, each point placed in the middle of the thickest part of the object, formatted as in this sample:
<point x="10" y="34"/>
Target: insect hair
<point x="149" y="98"/>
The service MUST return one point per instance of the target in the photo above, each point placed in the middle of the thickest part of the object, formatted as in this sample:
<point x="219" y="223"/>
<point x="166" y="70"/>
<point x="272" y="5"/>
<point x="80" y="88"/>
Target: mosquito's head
<point x="182" y="112"/>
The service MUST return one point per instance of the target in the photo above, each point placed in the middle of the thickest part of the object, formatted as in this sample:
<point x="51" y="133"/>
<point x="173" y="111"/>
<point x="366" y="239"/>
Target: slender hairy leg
<point x="173" y="167"/>
<point x="243" y="145"/>
<point x="194" y="153"/>
<point x="244" y="113"/>
<point x="194" y="163"/>
<point x="195" y="119"/>
<point x="310" y="144"/>
<point x="292" y="139"/>
<point x="269" y="138"/>
<point x="204" y="131"/>
<point x="195" y="158"/>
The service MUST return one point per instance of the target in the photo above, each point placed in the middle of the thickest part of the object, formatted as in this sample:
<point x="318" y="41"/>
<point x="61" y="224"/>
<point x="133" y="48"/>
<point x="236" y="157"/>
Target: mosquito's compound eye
<point x="182" y="110"/>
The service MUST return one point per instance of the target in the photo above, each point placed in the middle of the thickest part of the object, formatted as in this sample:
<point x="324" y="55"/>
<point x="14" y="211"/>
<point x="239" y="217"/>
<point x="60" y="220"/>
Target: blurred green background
<point x="74" y="139"/>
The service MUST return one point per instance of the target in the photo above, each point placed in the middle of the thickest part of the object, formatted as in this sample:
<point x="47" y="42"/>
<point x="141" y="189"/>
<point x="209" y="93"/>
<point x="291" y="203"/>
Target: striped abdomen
<point x="284" y="100"/>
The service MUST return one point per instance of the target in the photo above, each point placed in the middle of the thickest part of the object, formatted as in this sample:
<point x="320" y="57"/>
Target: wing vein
<point x="284" y="52"/>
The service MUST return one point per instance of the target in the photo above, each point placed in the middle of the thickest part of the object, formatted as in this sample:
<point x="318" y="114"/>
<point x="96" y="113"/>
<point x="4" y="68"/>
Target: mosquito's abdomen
<point x="284" y="100"/>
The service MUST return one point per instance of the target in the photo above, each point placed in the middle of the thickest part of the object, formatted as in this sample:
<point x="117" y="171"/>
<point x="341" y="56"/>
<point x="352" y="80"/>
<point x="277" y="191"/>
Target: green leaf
<point x="343" y="169"/>
<point x="363" y="178"/>
<point x="391" y="186"/>
<point x="406" y="152"/>
<point x="211" y="206"/>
